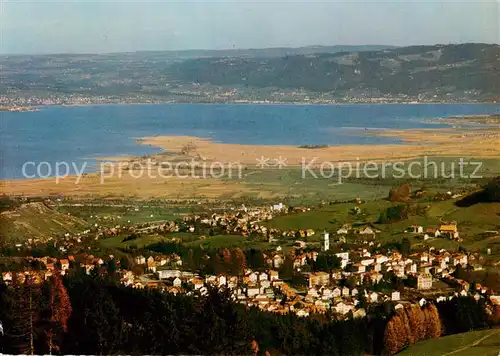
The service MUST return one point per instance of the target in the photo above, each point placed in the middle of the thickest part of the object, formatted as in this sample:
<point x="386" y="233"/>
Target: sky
<point x="99" y="26"/>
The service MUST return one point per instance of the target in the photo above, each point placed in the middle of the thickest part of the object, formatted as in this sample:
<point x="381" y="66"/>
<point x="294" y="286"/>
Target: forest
<point x="94" y="314"/>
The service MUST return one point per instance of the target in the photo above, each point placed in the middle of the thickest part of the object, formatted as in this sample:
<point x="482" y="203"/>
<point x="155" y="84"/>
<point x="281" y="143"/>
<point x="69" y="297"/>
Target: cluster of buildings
<point x="325" y="290"/>
<point x="447" y="230"/>
<point x="345" y="290"/>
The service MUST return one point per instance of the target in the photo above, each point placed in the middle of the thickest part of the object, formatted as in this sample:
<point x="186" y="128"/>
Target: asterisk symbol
<point x="262" y="162"/>
<point x="280" y="162"/>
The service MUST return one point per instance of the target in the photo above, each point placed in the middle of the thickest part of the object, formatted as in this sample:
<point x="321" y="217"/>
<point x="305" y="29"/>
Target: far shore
<point x="260" y="102"/>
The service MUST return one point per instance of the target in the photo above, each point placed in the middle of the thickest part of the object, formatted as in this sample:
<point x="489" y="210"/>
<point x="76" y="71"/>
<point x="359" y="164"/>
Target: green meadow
<point x="474" y="343"/>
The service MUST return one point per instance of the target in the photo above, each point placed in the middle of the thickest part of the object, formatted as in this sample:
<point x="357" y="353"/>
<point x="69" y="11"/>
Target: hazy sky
<point x="39" y="26"/>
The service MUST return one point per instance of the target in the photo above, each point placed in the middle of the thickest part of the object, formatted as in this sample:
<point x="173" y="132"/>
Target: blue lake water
<point x="78" y="134"/>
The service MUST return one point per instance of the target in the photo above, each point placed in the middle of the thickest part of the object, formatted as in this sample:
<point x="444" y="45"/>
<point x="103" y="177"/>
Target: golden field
<point x="476" y="143"/>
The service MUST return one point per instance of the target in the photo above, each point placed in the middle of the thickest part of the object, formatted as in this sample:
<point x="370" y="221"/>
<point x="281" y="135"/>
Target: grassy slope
<point x="477" y="343"/>
<point x="471" y="221"/>
<point x="35" y="220"/>
<point x="122" y="215"/>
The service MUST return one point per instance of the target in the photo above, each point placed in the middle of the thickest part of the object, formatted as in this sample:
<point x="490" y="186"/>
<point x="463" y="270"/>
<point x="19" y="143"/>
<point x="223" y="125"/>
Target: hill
<point x="477" y="343"/>
<point x="433" y="70"/>
<point x="36" y="221"/>
<point x="263" y="52"/>
<point x="465" y="72"/>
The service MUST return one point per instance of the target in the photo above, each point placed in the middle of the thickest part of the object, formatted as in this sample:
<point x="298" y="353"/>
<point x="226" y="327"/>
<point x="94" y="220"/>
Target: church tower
<point x="326" y="244"/>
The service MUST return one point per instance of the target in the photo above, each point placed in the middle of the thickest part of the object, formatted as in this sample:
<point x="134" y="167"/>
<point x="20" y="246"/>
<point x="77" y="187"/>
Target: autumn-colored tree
<point x="406" y="326"/>
<point x="421" y="330"/>
<point x="239" y="261"/>
<point x="391" y="341"/>
<point x="432" y="322"/>
<point x="495" y="315"/>
<point x="411" y="324"/>
<point x="225" y="255"/>
<point x="254" y="346"/>
<point x="401" y="193"/>
<point x="417" y="322"/>
<point x="59" y="311"/>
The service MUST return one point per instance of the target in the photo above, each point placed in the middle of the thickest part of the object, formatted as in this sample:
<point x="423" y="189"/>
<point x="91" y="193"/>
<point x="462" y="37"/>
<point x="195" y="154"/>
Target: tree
<point x="238" y="261"/>
<point x="432" y="321"/>
<point x="286" y="269"/>
<point x="20" y="316"/>
<point x="416" y="319"/>
<point x="255" y="259"/>
<point x="405" y="246"/>
<point x="492" y="190"/>
<point x="59" y="311"/>
<point x="394" y="214"/>
<point x="254" y="346"/>
<point x="391" y="340"/>
<point x="111" y="266"/>
<point x="401" y="193"/>
<point x="326" y="261"/>
<point x="95" y="326"/>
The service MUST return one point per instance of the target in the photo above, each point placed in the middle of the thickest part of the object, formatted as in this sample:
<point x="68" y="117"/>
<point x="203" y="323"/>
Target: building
<point x="395" y="296"/>
<point x="318" y="279"/>
<point x="424" y="281"/>
<point x="326" y="243"/>
<point x="366" y="230"/>
<point x="449" y="231"/>
<point x="343" y="230"/>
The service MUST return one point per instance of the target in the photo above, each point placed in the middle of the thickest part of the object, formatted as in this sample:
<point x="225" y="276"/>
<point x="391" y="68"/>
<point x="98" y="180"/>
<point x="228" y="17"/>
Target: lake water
<point x="77" y="134"/>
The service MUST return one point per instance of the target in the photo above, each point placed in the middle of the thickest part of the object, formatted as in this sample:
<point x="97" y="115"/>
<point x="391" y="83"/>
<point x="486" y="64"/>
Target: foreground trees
<point x="94" y="315"/>
<point x="410" y="325"/>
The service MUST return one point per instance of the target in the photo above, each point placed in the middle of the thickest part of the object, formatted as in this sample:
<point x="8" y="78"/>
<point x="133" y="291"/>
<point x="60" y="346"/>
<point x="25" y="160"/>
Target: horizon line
<point x="241" y="49"/>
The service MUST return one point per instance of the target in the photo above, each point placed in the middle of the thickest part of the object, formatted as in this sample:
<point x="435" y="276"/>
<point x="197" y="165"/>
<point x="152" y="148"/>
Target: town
<point x="341" y="272"/>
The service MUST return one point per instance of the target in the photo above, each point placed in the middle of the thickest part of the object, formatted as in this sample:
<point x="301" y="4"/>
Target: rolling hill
<point x="36" y="221"/>
<point x="463" y="72"/>
<point x="436" y="70"/>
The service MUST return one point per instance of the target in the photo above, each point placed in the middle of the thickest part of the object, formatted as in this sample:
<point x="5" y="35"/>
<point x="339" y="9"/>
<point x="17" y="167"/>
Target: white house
<point x="366" y="230"/>
<point x="367" y="261"/>
<point x="342" y="231"/>
<point x="336" y="292"/>
<point x="177" y="282"/>
<point x="381" y="258"/>
<point x="345" y="292"/>
<point x="395" y="296"/>
<point x="252" y="291"/>
<point x="222" y="280"/>
<point x="140" y="260"/>
<point x="343" y="308"/>
<point x="343" y="255"/>
<point x="168" y="273"/>
<point x="277" y="261"/>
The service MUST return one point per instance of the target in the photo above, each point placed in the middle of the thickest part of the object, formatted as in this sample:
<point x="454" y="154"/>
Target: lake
<point x="77" y="134"/>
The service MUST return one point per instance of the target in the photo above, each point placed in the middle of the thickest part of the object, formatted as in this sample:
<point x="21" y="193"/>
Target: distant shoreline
<point x="297" y="103"/>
